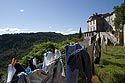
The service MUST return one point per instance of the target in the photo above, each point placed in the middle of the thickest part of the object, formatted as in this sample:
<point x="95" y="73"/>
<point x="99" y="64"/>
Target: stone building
<point x="109" y="21"/>
<point x="99" y="23"/>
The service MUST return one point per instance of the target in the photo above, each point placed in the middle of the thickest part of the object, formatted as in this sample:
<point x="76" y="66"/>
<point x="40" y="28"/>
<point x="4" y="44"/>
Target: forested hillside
<point x="19" y="45"/>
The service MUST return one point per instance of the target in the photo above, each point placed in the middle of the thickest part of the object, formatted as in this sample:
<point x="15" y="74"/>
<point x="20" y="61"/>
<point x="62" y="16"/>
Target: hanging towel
<point x="55" y="73"/>
<point x="11" y="72"/>
<point x="71" y="76"/>
<point x="81" y="61"/>
<point x="48" y="60"/>
<point x="58" y="56"/>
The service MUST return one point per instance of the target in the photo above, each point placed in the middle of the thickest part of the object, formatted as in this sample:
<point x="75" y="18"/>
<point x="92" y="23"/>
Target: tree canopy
<point x="120" y="16"/>
<point x="80" y="33"/>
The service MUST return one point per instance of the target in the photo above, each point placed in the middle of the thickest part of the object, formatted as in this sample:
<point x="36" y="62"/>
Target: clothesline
<point x="54" y="64"/>
<point x="72" y="50"/>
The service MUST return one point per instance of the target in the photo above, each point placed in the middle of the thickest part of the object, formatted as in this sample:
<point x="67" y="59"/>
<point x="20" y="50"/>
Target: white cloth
<point x="11" y="72"/>
<point x="85" y="43"/>
<point x="48" y="60"/>
<point x="110" y="36"/>
<point x="34" y="61"/>
<point x="113" y="39"/>
<point x="57" y="55"/>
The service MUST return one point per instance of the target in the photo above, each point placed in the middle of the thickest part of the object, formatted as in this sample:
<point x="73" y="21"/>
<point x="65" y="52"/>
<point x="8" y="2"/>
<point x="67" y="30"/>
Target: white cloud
<point x="21" y="10"/>
<point x="68" y="31"/>
<point x="9" y="30"/>
<point x="12" y="30"/>
<point x="60" y="32"/>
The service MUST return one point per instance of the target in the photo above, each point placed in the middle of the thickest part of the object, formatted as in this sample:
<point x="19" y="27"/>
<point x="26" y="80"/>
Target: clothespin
<point x="95" y="79"/>
<point x="46" y="52"/>
<point x="13" y="61"/>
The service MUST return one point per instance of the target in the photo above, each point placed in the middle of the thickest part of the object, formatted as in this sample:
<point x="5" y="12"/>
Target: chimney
<point x="96" y="13"/>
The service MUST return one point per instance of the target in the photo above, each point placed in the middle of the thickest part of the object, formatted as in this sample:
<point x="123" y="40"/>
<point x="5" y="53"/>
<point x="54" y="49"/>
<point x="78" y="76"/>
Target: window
<point x="84" y="35"/>
<point x="93" y="28"/>
<point x="90" y="22"/>
<point x="90" y="29"/>
<point x="92" y="33"/>
<point x="93" y="21"/>
<point x="89" y="34"/>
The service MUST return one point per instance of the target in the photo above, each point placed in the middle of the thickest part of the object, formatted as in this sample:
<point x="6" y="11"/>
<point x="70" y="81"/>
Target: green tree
<point x="119" y="21"/>
<point x="80" y="33"/>
<point x="120" y="16"/>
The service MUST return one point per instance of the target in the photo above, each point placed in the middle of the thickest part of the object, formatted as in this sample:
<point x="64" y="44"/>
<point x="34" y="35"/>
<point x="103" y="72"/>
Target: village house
<point x="99" y="23"/>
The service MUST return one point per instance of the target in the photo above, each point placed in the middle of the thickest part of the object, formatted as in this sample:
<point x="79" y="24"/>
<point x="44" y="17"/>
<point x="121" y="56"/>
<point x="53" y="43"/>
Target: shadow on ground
<point x="106" y="62"/>
<point x="119" y="78"/>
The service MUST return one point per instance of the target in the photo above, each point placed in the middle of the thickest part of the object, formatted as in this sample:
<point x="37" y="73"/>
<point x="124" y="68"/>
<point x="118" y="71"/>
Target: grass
<point x="112" y="66"/>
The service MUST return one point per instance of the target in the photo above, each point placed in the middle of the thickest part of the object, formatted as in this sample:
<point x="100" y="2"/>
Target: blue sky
<point x="63" y="16"/>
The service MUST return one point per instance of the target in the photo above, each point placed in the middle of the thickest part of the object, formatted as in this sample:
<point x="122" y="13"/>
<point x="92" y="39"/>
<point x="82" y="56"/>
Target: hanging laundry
<point x="71" y="76"/>
<point x="37" y="76"/>
<point x="55" y="73"/>
<point x="85" y="43"/>
<point x="97" y="49"/>
<point x="34" y="61"/>
<point x="90" y="50"/>
<point x="58" y="56"/>
<point x="32" y="65"/>
<point x="39" y="65"/>
<point x="110" y="36"/>
<point x="81" y="61"/>
<point x="19" y="68"/>
<point x="113" y="39"/>
<point x="103" y="43"/>
<point x="11" y="72"/>
<point x="22" y="78"/>
<point x="93" y="39"/>
<point x="53" y="66"/>
<point x="28" y="71"/>
<point x="48" y="60"/>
